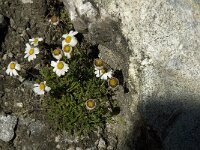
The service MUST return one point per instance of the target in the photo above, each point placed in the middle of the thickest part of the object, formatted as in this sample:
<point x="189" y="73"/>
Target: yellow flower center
<point x="103" y="70"/>
<point x="12" y="66"/>
<point x="98" y="62"/>
<point x="60" y="65"/>
<point x="57" y="51"/>
<point x="54" y="19"/>
<point x="113" y="82"/>
<point x="90" y="103"/>
<point x="67" y="48"/>
<point x="68" y="39"/>
<point x="35" y="41"/>
<point x="42" y="86"/>
<point x="31" y="51"/>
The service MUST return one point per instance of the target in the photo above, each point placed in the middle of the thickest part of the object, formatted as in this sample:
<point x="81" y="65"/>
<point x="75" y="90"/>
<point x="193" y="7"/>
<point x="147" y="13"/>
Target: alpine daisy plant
<point x="79" y="99"/>
<point x="70" y="39"/>
<point x="35" y="41"/>
<point x="60" y="67"/>
<point x="31" y="52"/>
<point x="12" y="68"/>
<point x="41" y="88"/>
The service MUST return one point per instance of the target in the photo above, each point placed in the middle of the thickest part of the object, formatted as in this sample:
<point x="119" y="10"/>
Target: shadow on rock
<point x="166" y="125"/>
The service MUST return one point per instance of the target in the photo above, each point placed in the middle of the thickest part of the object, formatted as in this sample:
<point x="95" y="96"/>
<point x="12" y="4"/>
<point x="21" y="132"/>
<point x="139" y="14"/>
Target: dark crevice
<point x="4" y="30"/>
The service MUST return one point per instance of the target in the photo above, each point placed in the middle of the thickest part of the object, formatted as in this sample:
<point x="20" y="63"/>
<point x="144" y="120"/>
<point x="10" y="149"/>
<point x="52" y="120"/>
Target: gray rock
<point x="163" y="67"/>
<point x="101" y="144"/>
<point x="7" y="125"/>
<point x="35" y="128"/>
<point x="2" y="92"/>
<point x="2" y="21"/>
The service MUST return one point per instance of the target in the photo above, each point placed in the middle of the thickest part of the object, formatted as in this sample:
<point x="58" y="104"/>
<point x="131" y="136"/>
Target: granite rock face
<point x="7" y="124"/>
<point x="163" y="39"/>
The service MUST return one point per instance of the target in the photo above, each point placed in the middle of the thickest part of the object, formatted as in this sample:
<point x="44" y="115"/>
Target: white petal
<point x="38" y="91"/>
<point x="55" y="23"/>
<point x="36" y="50"/>
<point x="53" y="63"/>
<point x="44" y="82"/>
<point x="41" y="92"/>
<point x="11" y="72"/>
<point x="104" y="77"/>
<point x="71" y="32"/>
<point x="8" y="71"/>
<point x="35" y="44"/>
<point x="28" y="46"/>
<point x="47" y="88"/>
<point x="15" y="72"/>
<point x="109" y="74"/>
<point x="98" y="73"/>
<point x="54" y="69"/>
<point x="63" y="44"/>
<point x="37" y="85"/>
<point x="64" y="35"/>
<point x="30" y="58"/>
<point x="58" y="57"/>
<point x="62" y="72"/>
<point x="68" y="55"/>
<point x="58" y="72"/>
<point x="17" y="67"/>
<point x="26" y="55"/>
<point x="73" y="42"/>
<point x="40" y="39"/>
<point x="26" y="51"/>
<point x="74" y="32"/>
<point x="31" y="40"/>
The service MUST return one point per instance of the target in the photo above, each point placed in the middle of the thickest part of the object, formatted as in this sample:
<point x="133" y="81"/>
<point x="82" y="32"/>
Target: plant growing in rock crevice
<point x="66" y="103"/>
<point x="77" y="98"/>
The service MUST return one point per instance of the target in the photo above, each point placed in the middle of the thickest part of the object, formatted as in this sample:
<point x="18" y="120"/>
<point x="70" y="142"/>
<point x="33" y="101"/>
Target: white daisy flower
<point x="70" y="39"/>
<point x="113" y="83"/>
<point x="54" y="20"/>
<point x="12" y="67"/>
<point x="60" y="67"/>
<point x="35" y="41"/>
<point x="98" y="63"/>
<point x="90" y="104"/>
<point x="103" y="73"/>
<point x="31" y="52"/>
<point x="57" y="53"/>
<point x="41" y="88"/>
<point x="67" y="49"/>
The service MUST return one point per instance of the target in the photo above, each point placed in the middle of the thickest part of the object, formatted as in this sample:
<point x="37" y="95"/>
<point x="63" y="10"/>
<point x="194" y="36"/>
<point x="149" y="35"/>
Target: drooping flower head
<point x="98" y="63"/>
<point x="57" y="53"/>
<point x="35" y="41"/>
<point x="41" y="88"/>
<point x="54" y="20"/>
<point x="31" y="52"/>
<point x="67" y="49"/>
<point x="90" y="104"/>
<point x="12" y="68"/>
<point x="70" y="39"/>
<point x="113" y="82"/>
<point x="103" y="73"/>
<point x="60" y="67"/>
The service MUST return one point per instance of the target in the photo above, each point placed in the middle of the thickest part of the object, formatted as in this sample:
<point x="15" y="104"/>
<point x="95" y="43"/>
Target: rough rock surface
<point x="164" y="40"/>
<point x="7" y="125"/>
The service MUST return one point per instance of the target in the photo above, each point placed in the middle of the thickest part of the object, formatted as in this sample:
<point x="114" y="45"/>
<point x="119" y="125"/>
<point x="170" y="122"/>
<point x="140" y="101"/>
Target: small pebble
<point x="4" y="57"/>
<point x="10" y="55"/>
<point x="57" y="138"/>
<point x="58" y="146"/>
<point x="79" y="148"/>
<point x="20" y="104"/>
